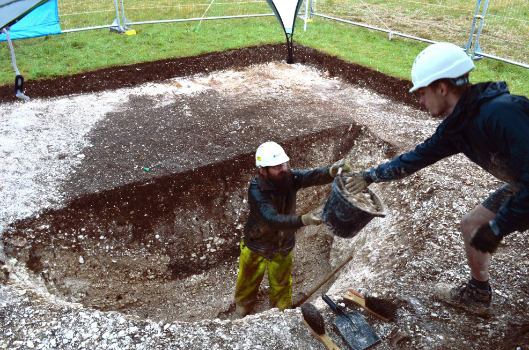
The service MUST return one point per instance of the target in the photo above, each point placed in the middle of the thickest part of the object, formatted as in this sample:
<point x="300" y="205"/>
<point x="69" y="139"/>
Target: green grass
<point x="373" y="49"/>
<point x="67" y="54"/>
<point x="71" y="53"/>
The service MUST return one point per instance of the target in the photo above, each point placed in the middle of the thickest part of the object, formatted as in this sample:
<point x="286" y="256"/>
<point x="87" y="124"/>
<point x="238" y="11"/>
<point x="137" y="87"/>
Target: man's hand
<point x="313" y="218"/>
<point x="358" y="182"/>
<point x="484" y="239"/>
<point x="346" y="168"/>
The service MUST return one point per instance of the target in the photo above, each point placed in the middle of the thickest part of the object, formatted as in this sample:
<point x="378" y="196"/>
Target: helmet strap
<point x="459" y="81"/>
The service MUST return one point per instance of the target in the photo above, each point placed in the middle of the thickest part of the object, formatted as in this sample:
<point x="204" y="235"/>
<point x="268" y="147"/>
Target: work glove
<point x="358" y="182"/>
<point x="484" y="239"/>
<point x="313" y="218"/>
<point x="346" y="168"/>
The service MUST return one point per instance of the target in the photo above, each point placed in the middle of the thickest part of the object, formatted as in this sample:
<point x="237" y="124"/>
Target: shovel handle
<point x="302" y="296"/>
<point x="333" y="306"/>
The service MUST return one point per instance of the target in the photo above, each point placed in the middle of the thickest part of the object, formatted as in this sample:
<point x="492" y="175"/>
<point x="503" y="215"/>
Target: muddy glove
<point x="484" y="239"/>
<point x="358" y="182"/>
<point x="313" y="218"/>
<point x="346" y="168"/>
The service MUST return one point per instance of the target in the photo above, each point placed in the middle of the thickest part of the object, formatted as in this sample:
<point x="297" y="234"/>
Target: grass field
<point x="71" y="53"/>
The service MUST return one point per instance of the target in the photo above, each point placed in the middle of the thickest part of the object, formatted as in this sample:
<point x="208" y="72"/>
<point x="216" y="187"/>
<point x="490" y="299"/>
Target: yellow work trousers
<point x="252" y="267"/>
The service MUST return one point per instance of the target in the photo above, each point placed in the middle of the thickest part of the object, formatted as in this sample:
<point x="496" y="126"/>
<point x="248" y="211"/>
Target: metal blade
<point x="356" y="331"/>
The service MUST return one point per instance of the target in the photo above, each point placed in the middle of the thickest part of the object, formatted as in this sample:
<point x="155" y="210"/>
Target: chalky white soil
<point x="400" y="257"/>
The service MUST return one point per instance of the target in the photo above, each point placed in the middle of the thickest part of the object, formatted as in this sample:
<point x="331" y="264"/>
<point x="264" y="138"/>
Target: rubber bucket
<point x="345" y="218"/>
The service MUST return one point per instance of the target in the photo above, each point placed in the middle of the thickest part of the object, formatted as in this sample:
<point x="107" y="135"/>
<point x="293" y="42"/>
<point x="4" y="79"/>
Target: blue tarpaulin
<point x="41" y="21"/>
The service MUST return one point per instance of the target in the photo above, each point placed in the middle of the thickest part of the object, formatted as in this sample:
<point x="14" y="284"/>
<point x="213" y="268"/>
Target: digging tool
<point x="380" y="308"/>
<point x="302" y="297"/>
<point x="316" y="325"/>
<point x="353" y="328"/>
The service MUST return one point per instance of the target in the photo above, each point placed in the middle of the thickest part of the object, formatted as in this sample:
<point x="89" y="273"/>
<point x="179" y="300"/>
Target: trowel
<point x="354" y="329"/>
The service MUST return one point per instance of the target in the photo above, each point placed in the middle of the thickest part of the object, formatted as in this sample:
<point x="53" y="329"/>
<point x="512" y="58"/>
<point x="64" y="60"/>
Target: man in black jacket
<point x="269" y="234"/>
<point x="491" y="127"/>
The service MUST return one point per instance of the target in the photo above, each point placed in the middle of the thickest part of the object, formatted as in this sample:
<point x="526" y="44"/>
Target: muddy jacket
<point x="491" y="127"/>
<point x="272" y="222"/>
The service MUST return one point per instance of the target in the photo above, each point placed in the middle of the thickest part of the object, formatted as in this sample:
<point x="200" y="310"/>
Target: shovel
<point x="353" y="328"/>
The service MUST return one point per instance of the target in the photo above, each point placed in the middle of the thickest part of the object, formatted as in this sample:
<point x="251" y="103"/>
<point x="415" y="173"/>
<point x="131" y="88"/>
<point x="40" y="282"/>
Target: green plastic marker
<point x="147" y="169"/>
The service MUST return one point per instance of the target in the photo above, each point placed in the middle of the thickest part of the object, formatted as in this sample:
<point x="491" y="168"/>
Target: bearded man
<point x="269" y="234"/>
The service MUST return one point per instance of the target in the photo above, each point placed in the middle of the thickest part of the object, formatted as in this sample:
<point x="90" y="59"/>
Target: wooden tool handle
<point x="305" y="296"/>
<point x="356" y="293"/>
<point x="324" y="338"/>
<point x="357" y="298"/>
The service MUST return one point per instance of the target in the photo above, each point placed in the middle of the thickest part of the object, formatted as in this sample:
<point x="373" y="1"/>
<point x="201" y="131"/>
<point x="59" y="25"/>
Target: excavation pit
<point x="163" y="244"/>
<point x="167" y="249"/>
<point x="82" y="157"/>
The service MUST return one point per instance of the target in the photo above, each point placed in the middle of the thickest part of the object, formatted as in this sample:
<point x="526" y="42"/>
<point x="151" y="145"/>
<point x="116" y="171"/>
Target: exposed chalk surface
<point x="399" y="257"/>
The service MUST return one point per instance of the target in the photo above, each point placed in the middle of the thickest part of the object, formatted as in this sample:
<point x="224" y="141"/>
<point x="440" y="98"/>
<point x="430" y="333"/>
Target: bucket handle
<point x="341" y="185"/>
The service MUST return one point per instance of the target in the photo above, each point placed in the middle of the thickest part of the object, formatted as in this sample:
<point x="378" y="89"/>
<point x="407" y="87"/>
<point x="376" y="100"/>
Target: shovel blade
<point x="356" y="331"/>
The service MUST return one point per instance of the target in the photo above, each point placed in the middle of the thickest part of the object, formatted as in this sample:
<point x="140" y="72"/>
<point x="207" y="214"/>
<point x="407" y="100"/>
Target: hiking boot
<point x="466" y="296"/>
<point x="243" y="308"/>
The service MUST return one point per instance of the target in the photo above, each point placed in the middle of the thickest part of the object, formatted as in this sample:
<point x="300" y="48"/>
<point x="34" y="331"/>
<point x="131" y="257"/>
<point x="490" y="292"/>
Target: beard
<point x="282" y="181"/>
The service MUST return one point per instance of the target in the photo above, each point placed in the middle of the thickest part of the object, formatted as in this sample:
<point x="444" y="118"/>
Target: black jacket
<point x="272" y="222"/>
<point x="491" y="127"/>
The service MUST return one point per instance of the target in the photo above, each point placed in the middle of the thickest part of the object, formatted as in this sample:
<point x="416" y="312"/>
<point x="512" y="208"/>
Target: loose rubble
<point x="399" y="257"/>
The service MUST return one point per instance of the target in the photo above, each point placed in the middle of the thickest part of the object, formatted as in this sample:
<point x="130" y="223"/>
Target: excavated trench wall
<point x="102" y="249"/>
<point x="121" y="248"/>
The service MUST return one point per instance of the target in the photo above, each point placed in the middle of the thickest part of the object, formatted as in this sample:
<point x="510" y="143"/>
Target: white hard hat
<point x="438" y="61"/>
<point x="270" y="154"/>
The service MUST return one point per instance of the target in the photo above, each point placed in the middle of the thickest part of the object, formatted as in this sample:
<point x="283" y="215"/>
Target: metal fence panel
<point x="77" y="14"/>
<point x="505" y="31"/>
<point x="163" y="10"/>
<point x="436" y="20"/>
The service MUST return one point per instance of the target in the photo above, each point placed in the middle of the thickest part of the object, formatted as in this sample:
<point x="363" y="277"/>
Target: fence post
<point x="477" y="49"/>
<point x="116" y="25"/>
<point x="307" y="17"/>
<point x="125" y="20"/>
<point x="467" y="46"/>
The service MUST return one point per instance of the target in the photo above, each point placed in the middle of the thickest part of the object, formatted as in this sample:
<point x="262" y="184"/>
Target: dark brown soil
<point x="126" y="76"/>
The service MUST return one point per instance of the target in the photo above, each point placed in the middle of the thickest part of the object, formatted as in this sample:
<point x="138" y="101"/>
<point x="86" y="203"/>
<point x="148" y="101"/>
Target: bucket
<point x="345" y="218"/>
